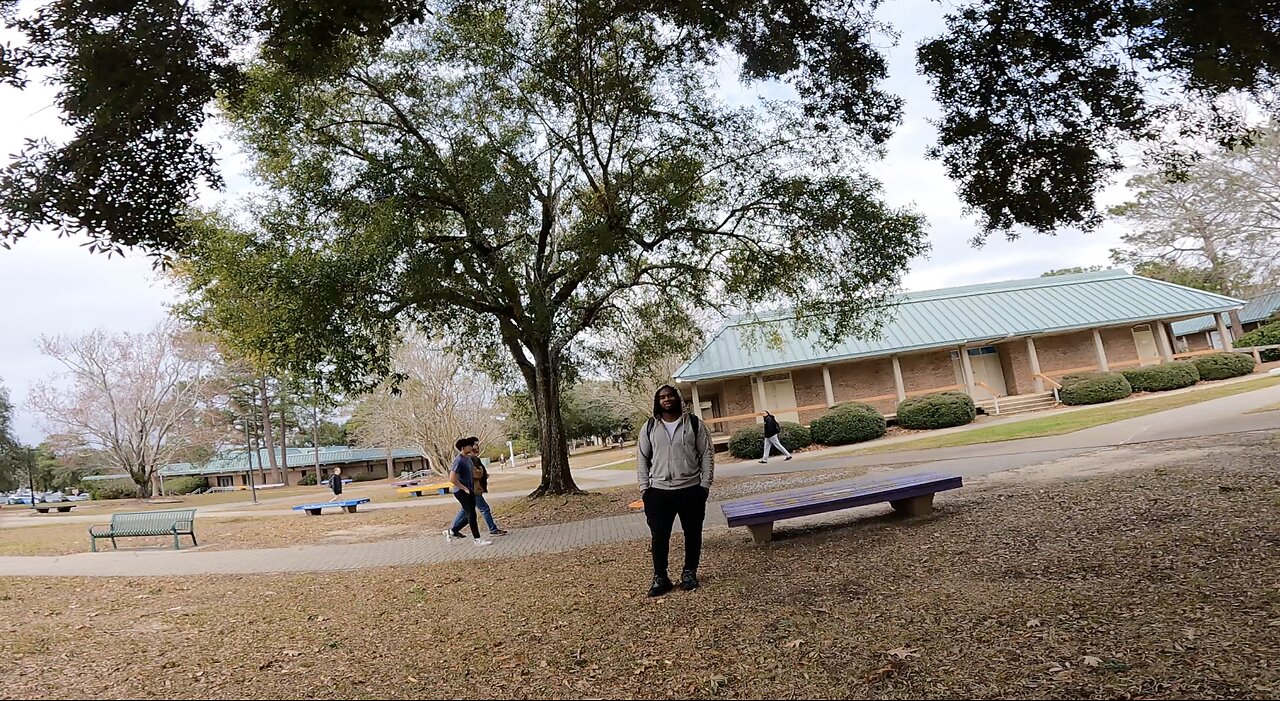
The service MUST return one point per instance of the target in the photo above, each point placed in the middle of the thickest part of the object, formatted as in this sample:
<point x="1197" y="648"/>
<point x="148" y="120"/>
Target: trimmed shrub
<point x="365" y="477"/>
<point x="1265" y="335"/>
<point x="1220" y="366"/>
<point x="851" y="422"/>
<point x="748" y="443"/>
<point x="938" y="410"/>
<point x="308" y="480"/>
<point x="185" y="485"/>
<point x="112" y="489"/>
<point x="1162" y="378"/>
<point x="1094" y="388"/>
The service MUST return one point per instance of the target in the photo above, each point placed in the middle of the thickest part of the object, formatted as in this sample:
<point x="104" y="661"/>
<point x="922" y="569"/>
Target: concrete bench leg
<point x="313" y="512"/>
<point x="350" y="509"/>
<point x="761" y="533"/>
<point x="915" y="506"/>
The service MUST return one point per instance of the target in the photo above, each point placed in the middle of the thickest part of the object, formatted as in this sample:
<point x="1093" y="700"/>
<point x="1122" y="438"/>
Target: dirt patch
<point x="1154" y="583"/>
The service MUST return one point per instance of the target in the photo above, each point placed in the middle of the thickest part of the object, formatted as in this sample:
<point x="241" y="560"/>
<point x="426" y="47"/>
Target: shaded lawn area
<point x="1159" y="583"/>
<point x="1072" y="421"/>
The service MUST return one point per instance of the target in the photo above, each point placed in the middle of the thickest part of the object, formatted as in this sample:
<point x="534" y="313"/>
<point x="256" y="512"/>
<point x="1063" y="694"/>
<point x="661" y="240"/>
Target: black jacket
<point x="770" y="426"/>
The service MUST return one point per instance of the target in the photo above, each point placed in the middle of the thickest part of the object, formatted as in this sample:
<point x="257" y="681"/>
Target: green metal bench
<point x="174" y="522"/>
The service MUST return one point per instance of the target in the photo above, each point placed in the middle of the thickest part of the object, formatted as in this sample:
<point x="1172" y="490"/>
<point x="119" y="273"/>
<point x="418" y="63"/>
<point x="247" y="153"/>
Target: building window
<point x="974" y="352"/>
<point x="225" y="480"/>
<point x="371" y="468"/>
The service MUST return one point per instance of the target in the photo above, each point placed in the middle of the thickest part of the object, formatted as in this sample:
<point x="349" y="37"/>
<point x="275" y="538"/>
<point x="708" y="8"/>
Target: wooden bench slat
<point x="834" y="491"/>
<point x="835" y="496"/>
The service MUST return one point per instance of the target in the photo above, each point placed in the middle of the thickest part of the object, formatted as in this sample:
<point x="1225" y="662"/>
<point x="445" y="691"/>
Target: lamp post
<point x="29" y="457"/>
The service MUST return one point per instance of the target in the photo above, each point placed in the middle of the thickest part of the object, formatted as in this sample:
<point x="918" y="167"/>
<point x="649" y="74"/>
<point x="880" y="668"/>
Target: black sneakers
<point x="661" y="585"/>
<point x="688" y="580"/>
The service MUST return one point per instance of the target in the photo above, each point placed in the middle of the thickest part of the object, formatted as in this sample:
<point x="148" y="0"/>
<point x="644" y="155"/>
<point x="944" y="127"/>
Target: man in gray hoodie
<point x="674" y="466"/>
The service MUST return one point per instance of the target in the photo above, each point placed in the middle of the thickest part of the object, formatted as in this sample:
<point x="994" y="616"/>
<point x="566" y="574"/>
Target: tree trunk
<point x="254" y="449"/>
<point x="545" y="390"/>
<point x="284" y="448"/>
<point x="1236" y="331"/>
<point x="141" y="480"/>
<point x="315" y="439"/>
<point x="267" y="439"/>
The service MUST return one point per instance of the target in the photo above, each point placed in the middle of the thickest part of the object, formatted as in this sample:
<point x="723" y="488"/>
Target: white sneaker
<point x="482" y="543"/>
<point x="448" y="535"/>
<point x="763" y="462"/>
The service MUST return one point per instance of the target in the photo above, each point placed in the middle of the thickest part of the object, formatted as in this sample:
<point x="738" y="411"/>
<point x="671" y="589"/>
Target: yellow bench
<point x="420" y="489"/>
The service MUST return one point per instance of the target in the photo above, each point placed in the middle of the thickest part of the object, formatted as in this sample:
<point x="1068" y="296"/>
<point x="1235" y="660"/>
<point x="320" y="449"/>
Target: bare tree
<point x="142" y="399"/>
<point x="1220" y="222"/>
<point x="439" y="401"/>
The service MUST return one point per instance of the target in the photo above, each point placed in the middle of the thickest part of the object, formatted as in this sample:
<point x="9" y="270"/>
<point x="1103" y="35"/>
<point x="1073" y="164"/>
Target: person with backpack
<point x="335" y="484"/>
<point x="771" y="431"/>
<point x="674" y="466"/>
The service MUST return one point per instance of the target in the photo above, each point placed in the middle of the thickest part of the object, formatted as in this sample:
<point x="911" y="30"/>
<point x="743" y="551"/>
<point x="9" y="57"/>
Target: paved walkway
<point x="1226" y="415"/>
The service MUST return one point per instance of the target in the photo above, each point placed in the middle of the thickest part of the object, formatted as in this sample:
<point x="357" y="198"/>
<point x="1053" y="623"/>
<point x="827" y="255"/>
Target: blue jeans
<point x="483" y="507"/>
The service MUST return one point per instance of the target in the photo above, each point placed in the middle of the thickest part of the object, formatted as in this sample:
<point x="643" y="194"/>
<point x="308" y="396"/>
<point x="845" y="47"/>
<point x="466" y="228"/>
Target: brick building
<point x="1003" y="343"/>
<point x="231" y="469"/>
<point x="1202" y="333"/>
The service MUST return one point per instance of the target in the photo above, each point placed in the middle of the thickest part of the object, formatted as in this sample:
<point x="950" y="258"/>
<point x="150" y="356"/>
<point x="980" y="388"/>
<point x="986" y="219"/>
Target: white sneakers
<point x="450" y="536"/>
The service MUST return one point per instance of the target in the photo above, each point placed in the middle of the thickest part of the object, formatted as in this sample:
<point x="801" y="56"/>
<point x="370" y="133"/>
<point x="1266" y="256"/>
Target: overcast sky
<point x="51" y="286"/>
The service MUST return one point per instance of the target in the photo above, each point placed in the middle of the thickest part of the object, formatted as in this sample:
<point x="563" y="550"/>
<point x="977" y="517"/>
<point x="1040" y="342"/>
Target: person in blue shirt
<point x="480" y="477"/>
<point x="462" y="477"/>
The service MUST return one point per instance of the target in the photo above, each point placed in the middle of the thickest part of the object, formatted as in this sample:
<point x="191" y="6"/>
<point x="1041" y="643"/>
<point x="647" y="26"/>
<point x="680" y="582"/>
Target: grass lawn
<point x="272" y="531"/>
<point x="1069" y="422"/>
<point x="1155" y="583"/>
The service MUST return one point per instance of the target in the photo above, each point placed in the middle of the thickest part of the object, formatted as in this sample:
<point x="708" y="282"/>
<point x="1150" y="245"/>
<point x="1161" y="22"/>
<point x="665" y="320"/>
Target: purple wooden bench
<point x="911" y="495"/>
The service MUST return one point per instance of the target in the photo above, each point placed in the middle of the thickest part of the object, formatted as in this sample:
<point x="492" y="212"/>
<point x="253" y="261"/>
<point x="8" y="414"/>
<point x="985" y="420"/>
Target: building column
<point x="1035" y="364"/>
<point x="697" y="404"/>
<point x="1223" y="332"/>
<point x="826" y="383"/>
<point x="1100" y="351"/>
<point x="1163" y="342"/>
<point x="966" y="369"/>
<point x="759" y="381"/>
<point x="897" y="379"/>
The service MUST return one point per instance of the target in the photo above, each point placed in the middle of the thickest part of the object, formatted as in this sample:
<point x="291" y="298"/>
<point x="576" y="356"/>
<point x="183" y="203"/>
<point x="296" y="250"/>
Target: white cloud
<point x="52" y="286"/>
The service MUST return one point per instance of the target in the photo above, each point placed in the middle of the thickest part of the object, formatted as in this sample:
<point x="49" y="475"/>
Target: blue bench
<point x="910" y="495"/>
<point x="314" y="509"/>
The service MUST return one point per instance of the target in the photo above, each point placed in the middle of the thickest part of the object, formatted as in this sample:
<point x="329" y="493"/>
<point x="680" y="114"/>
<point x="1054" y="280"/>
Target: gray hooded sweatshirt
<point x="670" y="463"/>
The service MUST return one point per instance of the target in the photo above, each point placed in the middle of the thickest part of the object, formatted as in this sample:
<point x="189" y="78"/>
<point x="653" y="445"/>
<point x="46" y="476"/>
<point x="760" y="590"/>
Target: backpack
<point x="693" y="421"/>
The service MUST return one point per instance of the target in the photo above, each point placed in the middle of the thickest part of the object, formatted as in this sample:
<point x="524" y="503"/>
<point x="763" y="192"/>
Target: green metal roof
<point x="1258" y="309"/>
<point x="960" y="315"/>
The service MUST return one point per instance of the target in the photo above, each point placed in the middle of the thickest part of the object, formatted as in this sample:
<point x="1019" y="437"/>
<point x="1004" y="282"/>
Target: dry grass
<point x="241" y="533"/>
<point x="1155" y="584"/>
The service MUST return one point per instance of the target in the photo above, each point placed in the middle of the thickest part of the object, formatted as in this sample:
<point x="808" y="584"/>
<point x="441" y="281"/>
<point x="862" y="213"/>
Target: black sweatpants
<point x="661" y="506"/>
<point x="468" y="501"/>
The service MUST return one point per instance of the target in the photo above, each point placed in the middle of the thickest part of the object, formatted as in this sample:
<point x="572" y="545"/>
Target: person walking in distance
<point x="674" y="466"/>
<point x="335" y="484"/>
<point x="462" y="478"/>
<point x="771" y="431"/>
